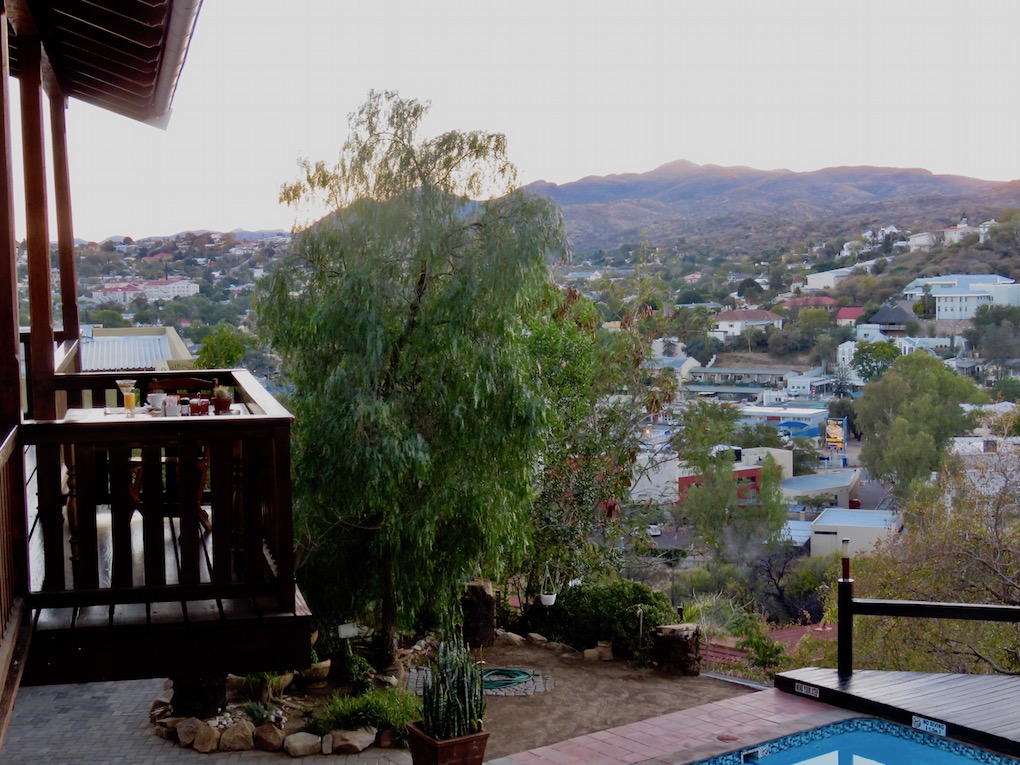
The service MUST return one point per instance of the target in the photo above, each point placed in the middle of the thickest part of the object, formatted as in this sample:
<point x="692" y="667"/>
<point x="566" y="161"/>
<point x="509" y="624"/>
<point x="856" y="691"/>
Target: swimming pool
<point x="863" y="741"/>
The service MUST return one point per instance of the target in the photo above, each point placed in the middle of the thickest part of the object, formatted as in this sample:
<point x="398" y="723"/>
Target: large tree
<point x="734" y="524"/>
<point x="400" y="319"/>
<point x="909" y="416"/>
<point x="873" y="359"/>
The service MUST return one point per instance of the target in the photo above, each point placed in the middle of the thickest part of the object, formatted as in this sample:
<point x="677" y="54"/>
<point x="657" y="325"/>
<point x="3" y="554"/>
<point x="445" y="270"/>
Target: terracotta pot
<point x="466" y="750"/>
<point x="221" y="405"/>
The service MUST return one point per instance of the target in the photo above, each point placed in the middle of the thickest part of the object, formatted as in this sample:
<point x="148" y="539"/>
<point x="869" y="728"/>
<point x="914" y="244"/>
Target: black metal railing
<point x="849" y="607"/>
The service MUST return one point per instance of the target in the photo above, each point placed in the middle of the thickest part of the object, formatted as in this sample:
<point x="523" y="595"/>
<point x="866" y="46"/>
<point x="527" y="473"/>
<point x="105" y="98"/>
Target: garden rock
<point x="268" y="738"/>
<point x="534" y="637"/>
<point x="353" y="741"/>
<point x="239" y="737"/>
<point x="187" y="729"/>
<point x="509" y="638"/>
<point x="592" y="654"/>
<point x="302" y="744"/>
<point x="207" y="738"/>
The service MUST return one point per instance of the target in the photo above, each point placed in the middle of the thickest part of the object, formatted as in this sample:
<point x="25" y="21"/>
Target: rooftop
<point x="837" y="516"/>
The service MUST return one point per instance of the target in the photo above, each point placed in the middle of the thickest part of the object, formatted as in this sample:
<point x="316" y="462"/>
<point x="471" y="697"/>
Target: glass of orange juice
<point x="127" y="389"/>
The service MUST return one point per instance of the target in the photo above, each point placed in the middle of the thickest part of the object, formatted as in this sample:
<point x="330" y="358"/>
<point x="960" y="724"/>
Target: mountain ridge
<point x="602" y="212"/>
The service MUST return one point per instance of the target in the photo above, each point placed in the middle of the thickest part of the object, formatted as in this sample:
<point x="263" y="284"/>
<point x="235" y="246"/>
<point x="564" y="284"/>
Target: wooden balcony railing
<point x="13" y="564"/>
<point x="161" y="509"/>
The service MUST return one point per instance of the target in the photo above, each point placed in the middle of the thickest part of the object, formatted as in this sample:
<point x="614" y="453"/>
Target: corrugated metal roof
<point x="123" y="352"/>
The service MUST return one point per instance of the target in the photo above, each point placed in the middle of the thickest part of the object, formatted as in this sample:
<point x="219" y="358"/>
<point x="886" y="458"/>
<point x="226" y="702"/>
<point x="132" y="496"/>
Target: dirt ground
<point x="585" y="697"/>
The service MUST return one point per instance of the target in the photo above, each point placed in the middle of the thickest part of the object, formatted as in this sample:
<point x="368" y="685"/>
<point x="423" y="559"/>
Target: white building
<point x="923" y="240"/>
<point x="864" y="529"/>
<point x="958" y="296"/>
<point x="153" y="289"/>
<point x="731" y="324"/>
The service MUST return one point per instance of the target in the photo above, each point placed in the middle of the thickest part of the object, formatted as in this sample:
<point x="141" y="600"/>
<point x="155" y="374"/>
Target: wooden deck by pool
<point x="978" y="709"/>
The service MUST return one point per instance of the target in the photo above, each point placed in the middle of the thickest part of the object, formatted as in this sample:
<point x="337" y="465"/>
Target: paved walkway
<point x="107" y="724"/>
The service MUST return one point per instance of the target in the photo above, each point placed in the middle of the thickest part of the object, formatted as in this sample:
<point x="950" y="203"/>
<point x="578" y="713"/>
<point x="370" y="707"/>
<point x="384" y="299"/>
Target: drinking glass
<point x="127" y="388"/>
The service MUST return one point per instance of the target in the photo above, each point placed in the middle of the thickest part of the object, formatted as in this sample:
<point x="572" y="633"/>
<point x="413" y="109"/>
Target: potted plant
<point x="453" y="706"/>
<point x="222" y="399"/>
<point x="549" y="588"/>
<point x="318" y="671"/>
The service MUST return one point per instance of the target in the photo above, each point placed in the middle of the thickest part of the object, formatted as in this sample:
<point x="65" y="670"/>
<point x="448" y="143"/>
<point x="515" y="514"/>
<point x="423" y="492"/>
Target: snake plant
<point x="452" y="700"/>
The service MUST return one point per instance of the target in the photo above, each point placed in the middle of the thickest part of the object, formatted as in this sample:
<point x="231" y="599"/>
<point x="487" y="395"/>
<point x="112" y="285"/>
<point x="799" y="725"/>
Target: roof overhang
<point x="124" y="56"/>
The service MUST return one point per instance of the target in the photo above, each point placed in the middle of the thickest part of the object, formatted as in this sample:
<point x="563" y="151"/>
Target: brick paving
<point x="107" y="724"/>
<point x="690" y="734"/>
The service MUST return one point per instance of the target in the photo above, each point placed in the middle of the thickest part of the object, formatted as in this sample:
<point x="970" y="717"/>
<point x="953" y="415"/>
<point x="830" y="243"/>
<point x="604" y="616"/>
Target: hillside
<point x="739" y="209"/>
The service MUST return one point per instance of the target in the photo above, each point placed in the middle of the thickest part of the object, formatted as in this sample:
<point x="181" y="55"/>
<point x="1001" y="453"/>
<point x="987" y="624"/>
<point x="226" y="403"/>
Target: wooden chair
<point x="171" y="508"/>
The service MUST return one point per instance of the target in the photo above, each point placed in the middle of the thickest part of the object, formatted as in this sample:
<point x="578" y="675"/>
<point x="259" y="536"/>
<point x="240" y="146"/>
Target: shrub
<point x="259" y="713"/>
<point x="582" y="616"/>
<point x="355" y="671"/>
<point x="387" y="708"/>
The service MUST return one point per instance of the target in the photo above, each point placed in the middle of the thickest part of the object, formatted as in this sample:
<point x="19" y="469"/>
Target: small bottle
<point x="185" y="407"/>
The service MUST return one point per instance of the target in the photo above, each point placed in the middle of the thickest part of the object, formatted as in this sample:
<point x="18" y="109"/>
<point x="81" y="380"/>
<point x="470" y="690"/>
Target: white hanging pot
<point x="547" y="598"/>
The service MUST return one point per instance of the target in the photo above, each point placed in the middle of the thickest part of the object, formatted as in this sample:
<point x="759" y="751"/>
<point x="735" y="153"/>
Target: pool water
<point x="861" y="742"/>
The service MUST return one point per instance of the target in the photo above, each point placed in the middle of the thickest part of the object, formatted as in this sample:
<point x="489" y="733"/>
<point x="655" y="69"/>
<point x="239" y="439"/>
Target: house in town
<point x="732" y="324"/>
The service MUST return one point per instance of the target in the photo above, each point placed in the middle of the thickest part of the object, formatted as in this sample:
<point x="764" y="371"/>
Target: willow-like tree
<point x="400" y="319"/>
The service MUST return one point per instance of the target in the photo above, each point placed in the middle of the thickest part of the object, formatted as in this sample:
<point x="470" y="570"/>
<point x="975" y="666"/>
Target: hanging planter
<point x="549" y="588"/>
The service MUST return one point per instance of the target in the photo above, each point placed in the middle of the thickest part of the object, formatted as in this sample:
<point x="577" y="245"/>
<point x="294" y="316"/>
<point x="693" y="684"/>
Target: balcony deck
<point x="127" y="577"/>
<point x="979" y="709"/>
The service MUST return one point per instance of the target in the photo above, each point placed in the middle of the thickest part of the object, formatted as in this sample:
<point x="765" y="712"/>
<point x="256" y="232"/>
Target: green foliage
<point x="591" y="435"/>
<point x="453" y="703"/>
<point x="909" y="416"/>
<point x="223" y="349"/>
<point x="389" y="708"/>
<point x="812" y="320"/>
<point x="762" y="650"/>
<point x="258" y="712"/>
<point x="108" y="317"/>
<point x="400" y="319"/>
<point x="586" y="614"/>
<point x="961" y="543"/>
<point x="356" y="672"/>
<point x="1007" y="388"/>
<point x="872" y="359"/>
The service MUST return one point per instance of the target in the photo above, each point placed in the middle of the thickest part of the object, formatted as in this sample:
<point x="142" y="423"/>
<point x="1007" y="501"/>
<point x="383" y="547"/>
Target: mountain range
<point x="723" y="209"/>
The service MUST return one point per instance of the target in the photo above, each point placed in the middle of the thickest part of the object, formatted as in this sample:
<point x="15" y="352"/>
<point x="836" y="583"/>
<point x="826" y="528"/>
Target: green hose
<point x="502" y="677"/>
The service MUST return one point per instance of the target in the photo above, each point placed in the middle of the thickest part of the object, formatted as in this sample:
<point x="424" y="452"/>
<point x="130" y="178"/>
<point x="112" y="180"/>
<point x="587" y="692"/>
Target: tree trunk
<point x="388" y="615"/>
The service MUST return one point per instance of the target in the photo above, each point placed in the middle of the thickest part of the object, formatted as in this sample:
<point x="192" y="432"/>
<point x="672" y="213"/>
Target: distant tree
<point x="108" y="317"/>
<point x="224" y="348"/>
<point x="812" y="320"/>
<point x="750" y="289"/>
<point x="734" y="525"/>
<point x="824" y="349"/>
<point x="909" y="416"/>
<point x="1007" y="388"/>
<point x="872" y="359"/>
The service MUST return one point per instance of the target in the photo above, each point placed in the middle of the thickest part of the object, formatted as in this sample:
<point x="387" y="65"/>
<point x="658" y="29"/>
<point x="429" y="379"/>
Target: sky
<point x="579" y="87"/>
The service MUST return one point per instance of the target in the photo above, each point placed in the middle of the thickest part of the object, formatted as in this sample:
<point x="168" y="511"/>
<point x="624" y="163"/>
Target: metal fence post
<point x="845" y="625"/>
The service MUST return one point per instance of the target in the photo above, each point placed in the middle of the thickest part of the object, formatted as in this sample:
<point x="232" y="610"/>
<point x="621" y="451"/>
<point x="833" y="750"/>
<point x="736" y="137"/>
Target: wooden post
<point x="65" y="228"/>
<point x="39" y="282"/>
<point x="845" y="611"/>
<point x="10" y="346"/>
<point x="10" y="335"/>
